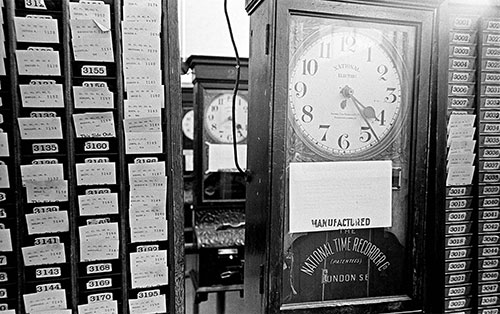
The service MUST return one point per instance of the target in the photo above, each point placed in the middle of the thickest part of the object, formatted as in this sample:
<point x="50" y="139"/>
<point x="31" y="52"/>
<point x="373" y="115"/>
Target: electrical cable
<point x="235" y="93"/>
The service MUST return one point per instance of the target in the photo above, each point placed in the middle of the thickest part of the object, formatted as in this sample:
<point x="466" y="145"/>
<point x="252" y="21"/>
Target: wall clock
<point x="218" y="118"/>
<point x="364" y="104"/>
<point x="333" y="84"/>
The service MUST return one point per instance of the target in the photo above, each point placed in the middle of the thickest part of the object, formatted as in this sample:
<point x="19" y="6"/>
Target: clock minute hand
<point x="358" y="105"/>
<point x="368" y="111"/>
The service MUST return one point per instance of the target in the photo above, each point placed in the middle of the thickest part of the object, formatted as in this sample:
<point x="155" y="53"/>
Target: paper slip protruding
<point x="90" y="42"/>
<point x="144" y="143"/>
<point x="92" y="233"/>
<point x="149" y="269"/>
<point x="151" y="169"/>
<point x="93" y="97"/>
<point x="5" y="241"/>
<point x="42" y="96"/>
<point x="95" y="173"/>
<point x="47" y="222"/>
<point x="44" y="254"/>
<point x="36" y="62"/>
<point x="42" y="172"/>
<point x="51" y="312"/>
<point x="4" y="145"/>
<point x="40" y="128"/>
<point x="460" y="175"/>
<point x="105" y="307"/>
<point x="156" y="304"/>
<point x="138" y="109"/>
<point x="99" y="250"/>
<point x="94" y="124"/>
<point x="36" y="30"/>
<point x="151" y="124"/>
<point x="98" y="204"/>
<point x="47" y="191"/>
<point x="461" y="121"/>
<point x="4" y="177"/>
<point x="148" y="230"/>
<point x="89" y="11"/>
<point x="47" y="300"/>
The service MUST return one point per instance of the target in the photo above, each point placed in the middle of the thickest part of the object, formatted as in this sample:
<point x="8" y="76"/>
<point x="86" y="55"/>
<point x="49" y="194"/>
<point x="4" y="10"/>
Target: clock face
<point x="218" y="118"/>
<point x="188" y="124"/>
<point x="347" y="92"/>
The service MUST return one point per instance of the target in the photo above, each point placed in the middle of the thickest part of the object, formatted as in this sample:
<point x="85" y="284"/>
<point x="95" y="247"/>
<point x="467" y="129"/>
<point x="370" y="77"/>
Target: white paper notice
<point x="47" y="300"/>
<point x="5" y="241"/>
<point x="36" y="62"/>
<point x="40" y="128"/>
<point x="98" y="204"/>
<point x="95" y="173"/>
<point x="36" y="30"/>
<point x="340" y="195"/>
<point x="42" y="96"/>
<point x="221" y="157"/>
<point x="4" y="145"/>
<point x="156" y="304"/>
<point x="144" y="143"/>
<point x="47" y="222"/>
<point x="149" y="269"/>
<point x="106" y="307"/>
<point x="94" y="124"/>
<point x="44" y="254"/>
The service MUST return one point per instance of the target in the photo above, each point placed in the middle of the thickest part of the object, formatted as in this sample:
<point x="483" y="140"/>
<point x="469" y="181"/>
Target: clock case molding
<point x="267" y="149"/>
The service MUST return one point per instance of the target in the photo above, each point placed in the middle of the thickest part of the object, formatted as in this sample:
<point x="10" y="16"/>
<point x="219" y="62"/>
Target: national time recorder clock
<point x="336" y="84"/>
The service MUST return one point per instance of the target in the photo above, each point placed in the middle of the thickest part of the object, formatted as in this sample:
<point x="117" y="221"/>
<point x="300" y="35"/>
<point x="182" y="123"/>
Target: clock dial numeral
<point x="343" y="142"/>
<point x="364" y="135"/>
<point x="324" y="51"/>
<point x="307" y="116"/>
<point x="214" y="108"/>
<point x="369" y="57"/>
<point x="325" y="127"/>
<point x="348" y="43"/>
<point x="382" y="70"/>
<point x="391" y="98"/>
<point x="309" y="67"/>
<point x="381" y="118"/>
<point x="301" y="89"/>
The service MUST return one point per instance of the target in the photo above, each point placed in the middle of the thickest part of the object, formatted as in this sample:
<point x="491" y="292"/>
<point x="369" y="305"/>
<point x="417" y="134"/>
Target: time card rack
<point x="472" y="211"/>
<point x="91" y="216"/>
